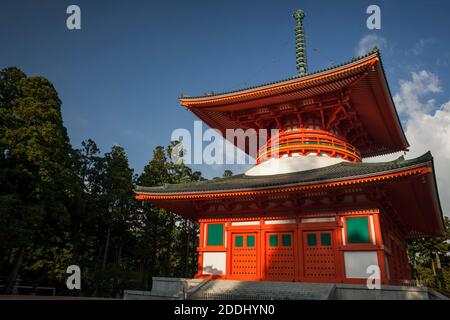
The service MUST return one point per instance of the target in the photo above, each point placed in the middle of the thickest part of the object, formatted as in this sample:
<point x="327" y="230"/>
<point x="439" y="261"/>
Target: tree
<point x="167" y="241"/>
<point x="227" y="173"/>
<point x="38" y="183"/>
<point x="118" y="207"/>
<point x="426" y="254"/>
<point x="60" y="206"/>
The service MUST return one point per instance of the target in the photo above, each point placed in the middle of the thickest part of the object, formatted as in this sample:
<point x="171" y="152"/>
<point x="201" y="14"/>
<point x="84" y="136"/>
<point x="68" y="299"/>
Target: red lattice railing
<point x="307" y="141"/>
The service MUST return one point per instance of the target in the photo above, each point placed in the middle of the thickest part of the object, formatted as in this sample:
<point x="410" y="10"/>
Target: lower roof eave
<point x="420" y="168"/>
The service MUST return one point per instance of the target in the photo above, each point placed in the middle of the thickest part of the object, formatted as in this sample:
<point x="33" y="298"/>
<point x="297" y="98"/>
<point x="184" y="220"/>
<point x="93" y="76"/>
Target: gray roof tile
<point x="337" y="172"/>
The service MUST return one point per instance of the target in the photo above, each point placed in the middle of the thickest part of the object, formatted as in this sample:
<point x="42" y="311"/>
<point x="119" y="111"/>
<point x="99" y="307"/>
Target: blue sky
<point x="120" y="76"/>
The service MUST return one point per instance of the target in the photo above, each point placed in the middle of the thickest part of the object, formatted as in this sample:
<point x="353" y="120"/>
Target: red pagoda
<point x="311" y="210"/>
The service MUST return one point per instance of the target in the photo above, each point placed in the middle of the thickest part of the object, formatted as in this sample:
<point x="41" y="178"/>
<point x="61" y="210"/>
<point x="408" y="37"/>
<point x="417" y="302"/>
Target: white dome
<point x="291" y="164"/>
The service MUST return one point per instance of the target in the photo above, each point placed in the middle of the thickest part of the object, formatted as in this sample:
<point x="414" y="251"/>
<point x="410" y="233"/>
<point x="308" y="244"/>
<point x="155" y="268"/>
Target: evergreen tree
<point x="426" y="254"/>
<point x="227" y="173"/>
<point x="38" y="183"/>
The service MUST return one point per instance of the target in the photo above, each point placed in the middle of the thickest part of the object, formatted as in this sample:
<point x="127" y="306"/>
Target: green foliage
<point x="60" y="206"/>
<point x="424" y="255"/>
<point x="36" y="172"/>
<point x="172" y="239"/>
<point x="227" y="173"/>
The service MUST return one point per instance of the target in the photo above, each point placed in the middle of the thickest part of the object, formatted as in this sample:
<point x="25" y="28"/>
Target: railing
<point x="31" y="290"/>
<point x="188" y="294"/>
<point x="307" y="141"/>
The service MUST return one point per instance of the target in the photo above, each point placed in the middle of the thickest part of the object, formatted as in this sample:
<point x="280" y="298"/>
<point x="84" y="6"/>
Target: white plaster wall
<point x="313" y="220"/>
<point x="292" y="164"/>
<point x="245" y="223"/>
<point x="356" y="263"/>
<point x="285" y="221"/>
<point x="214" y="262"/>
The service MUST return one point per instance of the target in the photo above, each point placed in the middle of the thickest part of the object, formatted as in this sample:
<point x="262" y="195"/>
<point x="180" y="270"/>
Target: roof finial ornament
<point x="375" y="50"/>
<point x="300" y="47"/>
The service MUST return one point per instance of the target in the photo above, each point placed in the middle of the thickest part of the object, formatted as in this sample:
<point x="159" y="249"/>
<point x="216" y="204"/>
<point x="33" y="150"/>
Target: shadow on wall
<point x="209" y="269"/>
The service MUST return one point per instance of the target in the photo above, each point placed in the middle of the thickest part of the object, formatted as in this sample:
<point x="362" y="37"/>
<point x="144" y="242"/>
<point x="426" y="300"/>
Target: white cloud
<point x="368" y="42"/>
<point x="409" y="98"/>
<point x="426" y="127"/>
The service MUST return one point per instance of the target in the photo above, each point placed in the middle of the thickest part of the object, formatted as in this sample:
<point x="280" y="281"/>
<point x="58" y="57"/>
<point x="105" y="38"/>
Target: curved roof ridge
<point x="374" y="52"/>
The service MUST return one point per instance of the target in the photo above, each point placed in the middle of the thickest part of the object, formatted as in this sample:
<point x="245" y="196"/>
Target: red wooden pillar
<point x="228" y="246"/>
<point x="299" y="241"/>
<point x="380" y="248"/>
<point x="200" y="250"/>
<point x="262" y="250"/>
<point x="339" y="258"/>
<point x="297" y="250"/>
<point x="341" y="242"/>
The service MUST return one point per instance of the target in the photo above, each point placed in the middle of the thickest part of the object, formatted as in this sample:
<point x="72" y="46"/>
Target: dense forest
<point x="61" y="206"/>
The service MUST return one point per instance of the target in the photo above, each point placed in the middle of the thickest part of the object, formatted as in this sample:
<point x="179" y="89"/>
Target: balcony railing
<point x="307" y="141"/>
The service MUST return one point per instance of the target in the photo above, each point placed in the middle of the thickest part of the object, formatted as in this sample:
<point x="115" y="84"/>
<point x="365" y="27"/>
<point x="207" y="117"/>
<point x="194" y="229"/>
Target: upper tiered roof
<point x="360" y="85"/>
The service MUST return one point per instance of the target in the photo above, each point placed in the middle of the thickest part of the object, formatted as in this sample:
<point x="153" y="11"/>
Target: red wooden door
<point x="319" y="262"/>
<point x="280" y="258"/>
<point x="244" y="261"/>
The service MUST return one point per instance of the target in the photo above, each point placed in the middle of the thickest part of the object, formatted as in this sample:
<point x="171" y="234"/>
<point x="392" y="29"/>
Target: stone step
<point x="235" y="289"/>
<point x="179" y="288"/>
